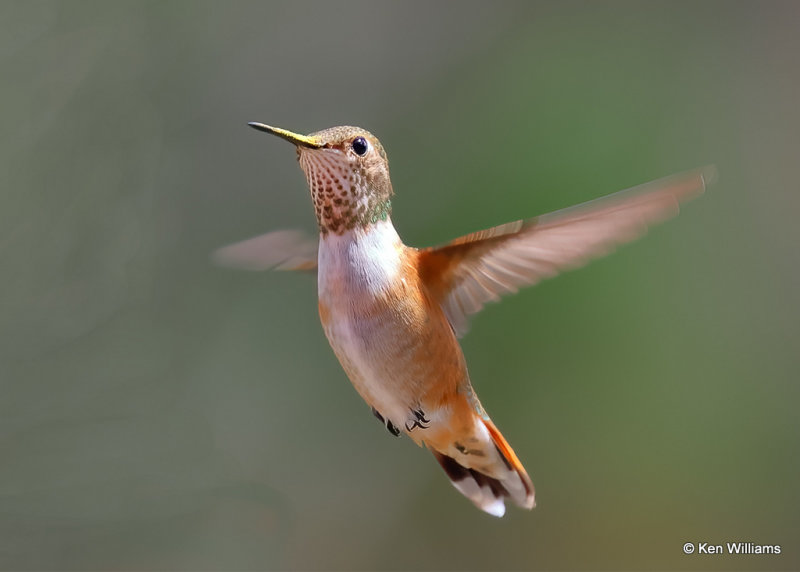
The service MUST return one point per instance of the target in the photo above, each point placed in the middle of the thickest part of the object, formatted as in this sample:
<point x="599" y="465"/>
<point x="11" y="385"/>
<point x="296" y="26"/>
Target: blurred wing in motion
<point x="477" y="268"/>
<point x="279" y="250"/>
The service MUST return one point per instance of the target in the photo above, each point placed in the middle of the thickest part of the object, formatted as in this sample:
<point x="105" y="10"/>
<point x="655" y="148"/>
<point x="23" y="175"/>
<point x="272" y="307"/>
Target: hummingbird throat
<point x="345" y="195"/>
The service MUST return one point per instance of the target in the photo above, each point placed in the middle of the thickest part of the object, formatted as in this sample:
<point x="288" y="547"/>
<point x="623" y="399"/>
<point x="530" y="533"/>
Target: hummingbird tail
<point x="488" y="472"/>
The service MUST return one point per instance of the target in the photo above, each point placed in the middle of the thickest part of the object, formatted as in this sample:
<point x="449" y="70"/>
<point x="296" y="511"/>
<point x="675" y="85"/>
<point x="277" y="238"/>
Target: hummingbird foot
<point x="387" y="422"/>
<point x="392" y="429"/>
<point x="419" y="420"/>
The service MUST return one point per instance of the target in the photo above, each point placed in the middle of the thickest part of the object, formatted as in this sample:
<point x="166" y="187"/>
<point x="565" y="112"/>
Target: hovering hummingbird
<point x="393" y="313"/>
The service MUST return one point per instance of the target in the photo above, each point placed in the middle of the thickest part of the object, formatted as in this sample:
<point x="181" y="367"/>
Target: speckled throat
<point x="347" y="191"/>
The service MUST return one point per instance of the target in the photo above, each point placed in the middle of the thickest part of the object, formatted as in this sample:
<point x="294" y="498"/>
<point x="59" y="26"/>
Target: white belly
<point x="368" y="374"/>
<point x="356" y="270"/>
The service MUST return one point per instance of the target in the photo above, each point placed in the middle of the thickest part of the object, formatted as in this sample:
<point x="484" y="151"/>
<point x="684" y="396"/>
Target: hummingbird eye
<point x="360" y="146"/>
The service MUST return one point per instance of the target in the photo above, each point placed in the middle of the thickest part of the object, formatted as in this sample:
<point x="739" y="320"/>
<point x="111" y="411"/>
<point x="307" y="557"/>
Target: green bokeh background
<point x="159" y="413"/>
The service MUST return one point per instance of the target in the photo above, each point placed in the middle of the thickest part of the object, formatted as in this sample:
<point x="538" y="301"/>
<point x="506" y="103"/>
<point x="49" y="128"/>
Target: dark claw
<point x="414" y="424"/>
<point x="420" y="415"/>
<point x="392" y="429"/>
<point x="420" y="420"/>
<point x="389" y="425"/>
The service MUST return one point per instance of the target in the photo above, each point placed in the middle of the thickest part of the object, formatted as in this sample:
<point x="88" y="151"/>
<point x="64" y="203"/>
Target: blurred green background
<point x="160" y="413"/>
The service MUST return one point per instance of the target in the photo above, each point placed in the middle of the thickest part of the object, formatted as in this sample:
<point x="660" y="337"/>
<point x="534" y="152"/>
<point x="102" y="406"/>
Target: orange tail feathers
<point x="488" y="472"/>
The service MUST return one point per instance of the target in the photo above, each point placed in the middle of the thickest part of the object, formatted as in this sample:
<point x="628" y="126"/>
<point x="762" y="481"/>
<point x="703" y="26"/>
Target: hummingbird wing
<point x="477" y="268"/>
<point x="279" y="250"/>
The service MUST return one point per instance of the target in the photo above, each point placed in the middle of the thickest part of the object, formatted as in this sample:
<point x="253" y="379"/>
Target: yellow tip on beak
<point x="297" y="139"/>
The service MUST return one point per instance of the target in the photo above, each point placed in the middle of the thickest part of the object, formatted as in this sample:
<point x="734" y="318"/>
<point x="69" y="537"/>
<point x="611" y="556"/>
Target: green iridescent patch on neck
<point x="381" y="211"/>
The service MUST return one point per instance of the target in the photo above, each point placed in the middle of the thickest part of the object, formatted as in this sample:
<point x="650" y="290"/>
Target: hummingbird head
<point x="347" y="172"/>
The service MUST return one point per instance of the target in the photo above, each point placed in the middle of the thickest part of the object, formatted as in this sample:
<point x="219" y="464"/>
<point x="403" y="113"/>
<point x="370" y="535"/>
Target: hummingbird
<point x="393" y="313"/>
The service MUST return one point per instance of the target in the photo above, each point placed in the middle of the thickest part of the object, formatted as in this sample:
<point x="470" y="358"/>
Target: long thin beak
<point x="297" y="139"/>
